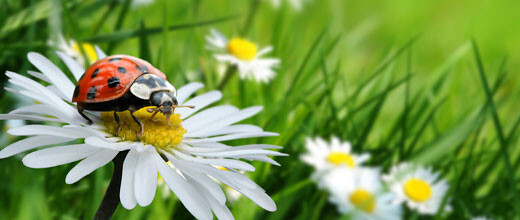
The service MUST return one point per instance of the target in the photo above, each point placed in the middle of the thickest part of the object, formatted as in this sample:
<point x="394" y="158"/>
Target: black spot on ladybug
<point x="114" y="59"/>
<point x="145" y="79"/>
<point x="121" y="69"/>
<point x="162" y="83"/>
<point x="76" y="92"/>
<point x="92" y="92"/>
<point x="113" y="82"/>
<point x="94" y="74"/>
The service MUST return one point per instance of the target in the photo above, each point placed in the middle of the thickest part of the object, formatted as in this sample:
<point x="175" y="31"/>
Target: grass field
<point x="427" y="82"/>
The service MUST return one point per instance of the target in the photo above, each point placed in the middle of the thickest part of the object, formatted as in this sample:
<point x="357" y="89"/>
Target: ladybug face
<point x="165" y="101"/>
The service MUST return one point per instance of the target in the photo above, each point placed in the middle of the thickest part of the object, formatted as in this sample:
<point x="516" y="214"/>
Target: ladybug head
<point x="166" y="103"/>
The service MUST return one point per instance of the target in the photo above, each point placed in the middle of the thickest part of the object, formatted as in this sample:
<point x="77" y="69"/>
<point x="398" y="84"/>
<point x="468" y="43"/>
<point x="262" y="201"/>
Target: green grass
<point x="433" y="82"/>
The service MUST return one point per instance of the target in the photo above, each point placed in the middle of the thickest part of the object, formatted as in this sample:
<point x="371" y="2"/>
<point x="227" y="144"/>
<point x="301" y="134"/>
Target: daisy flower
<point x="360" y="194"/>
<point x="296" y="4"/>
<point x="192" y="144"/>
<point x="71" y="48"/>
<point x="245" y="55"/>
<point x="324" y="156"/>
<point x="419" y="187"/>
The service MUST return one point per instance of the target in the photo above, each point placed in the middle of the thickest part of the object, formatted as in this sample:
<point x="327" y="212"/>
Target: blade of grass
<point x="406" y="105"/>
<point x="144" y="45"/>
<point x="125" y="34"/>
<point x="119" y="24"/>
<point x="498" y="127"/>
<point x="444" y="144"/>
<point x="380" y="69"/>
<point x="305" y="62"/>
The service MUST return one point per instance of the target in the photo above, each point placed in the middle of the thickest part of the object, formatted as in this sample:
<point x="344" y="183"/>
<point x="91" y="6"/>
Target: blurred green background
<point x="398" y="79"/>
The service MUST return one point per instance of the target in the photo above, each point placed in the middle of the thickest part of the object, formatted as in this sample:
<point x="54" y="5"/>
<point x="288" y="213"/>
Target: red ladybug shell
<point x="110" y="78"/>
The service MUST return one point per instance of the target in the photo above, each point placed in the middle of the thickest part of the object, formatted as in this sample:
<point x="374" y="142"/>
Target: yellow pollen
<point x="363" y="200"/>
<point x="89" y="50"/>
<point x="156" y="131"/>
<point x="418" y="190"/>
<point x="338" y="158"/>
<point x="242" y="48"/>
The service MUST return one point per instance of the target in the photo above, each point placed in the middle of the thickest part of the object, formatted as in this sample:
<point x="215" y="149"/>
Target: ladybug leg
<point x="132" y="110"/>
<point x="153" y="115"/>
<point x="118" y="128"/>
<point x="80" y="111"/>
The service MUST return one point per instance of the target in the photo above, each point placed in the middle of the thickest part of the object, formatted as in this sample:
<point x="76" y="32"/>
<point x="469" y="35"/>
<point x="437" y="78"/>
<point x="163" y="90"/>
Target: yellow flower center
<point x="339" y="158"/>
<point x="89" y="50"/>
<point x="418" y="190"/>
<point x="156" y="131"/>
<point x="242" y="48"/>
<point x="363" y="200"/>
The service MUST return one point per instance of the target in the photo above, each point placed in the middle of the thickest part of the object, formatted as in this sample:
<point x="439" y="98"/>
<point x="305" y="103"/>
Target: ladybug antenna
<point x="183" y="106"/>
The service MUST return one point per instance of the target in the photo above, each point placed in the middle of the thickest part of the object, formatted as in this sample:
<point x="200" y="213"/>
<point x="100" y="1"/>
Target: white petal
<point x="31" y="143"/>
<point x="235" y="148"/>
<point x="229" y="130"/>
<point x="41" y="94"/>
<point x="73" y="66"/>
<point x="202" y="179"/>
<point x="265" y="50"/>
<point x="145" y="178"/>
<point x="236" y="181"/>
<point x="87" y="166"/>
<point x="100" y="53"/>
<point x="207" y="116"/>
<point x="189" y="197"/>
<point x="126" y="194"/>
<point x="232" y="137"/>
<point x="220" y="209"/>
<point x="223" y="122"/>
<point x="56" y="156"/>
<point x="235" y="164"/>
<point x="57" y="77"/>
<point x="199" y="102"/>
<point x="103" y="143"/>
<point x="28" y="117"/>
<point x="186" y="91"/>
<point x="39" y="76"/>
<point x="28" y="130"/>
<point x="262" y="158"/>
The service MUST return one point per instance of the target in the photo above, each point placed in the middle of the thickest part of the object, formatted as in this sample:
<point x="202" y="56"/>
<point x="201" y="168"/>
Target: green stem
<point x="231" y="70"/>
<point x="111" y="200"/>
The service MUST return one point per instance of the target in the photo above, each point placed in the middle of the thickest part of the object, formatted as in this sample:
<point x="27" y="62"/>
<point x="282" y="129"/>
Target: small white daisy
<point x="71" y="48"/>
<point x="245" y="55"/>
<point x="191" y="144"/>
<point x="360" y="193"/>
<point x="324" y="156"/>
<point x="419" y="187"/>
<point x="295" y="4"/>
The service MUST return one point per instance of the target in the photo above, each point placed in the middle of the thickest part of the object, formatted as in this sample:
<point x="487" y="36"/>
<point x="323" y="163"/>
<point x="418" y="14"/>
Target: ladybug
<point x="121" y="82"/>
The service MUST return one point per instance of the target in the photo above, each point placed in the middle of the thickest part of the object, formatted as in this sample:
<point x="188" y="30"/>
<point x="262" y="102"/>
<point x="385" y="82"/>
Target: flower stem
<point x="231" y="70"/>
<point x="111" y="199"/>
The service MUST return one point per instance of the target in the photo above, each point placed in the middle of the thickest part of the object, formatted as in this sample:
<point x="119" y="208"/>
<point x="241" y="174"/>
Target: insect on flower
<point x="119" y="83"/>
